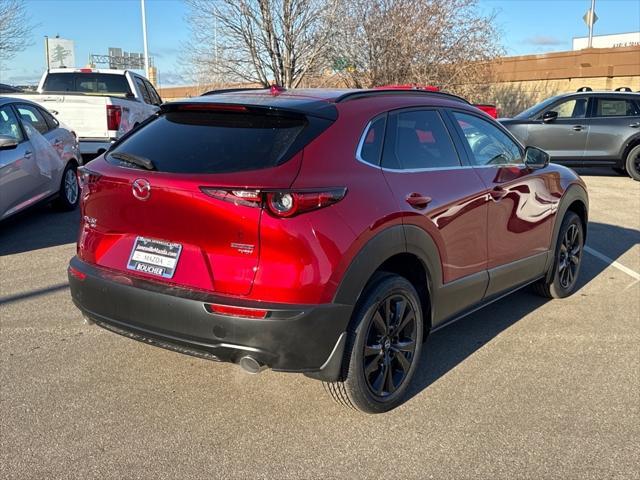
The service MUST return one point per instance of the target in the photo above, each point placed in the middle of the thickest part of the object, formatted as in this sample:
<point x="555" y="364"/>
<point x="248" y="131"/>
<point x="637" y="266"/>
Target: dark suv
<point x="585" y="128"/>
<point x="325" y="232"/>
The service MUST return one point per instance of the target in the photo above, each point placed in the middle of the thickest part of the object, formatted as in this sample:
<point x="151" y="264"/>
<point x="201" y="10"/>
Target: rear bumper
<point x="294" y="338"/>
<point x="91" y="146"/>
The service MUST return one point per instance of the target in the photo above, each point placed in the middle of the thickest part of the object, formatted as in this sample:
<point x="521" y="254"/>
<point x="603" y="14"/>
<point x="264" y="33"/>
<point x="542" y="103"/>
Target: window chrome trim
<point x="361" y="144"/>
<point x="426" y="169"/>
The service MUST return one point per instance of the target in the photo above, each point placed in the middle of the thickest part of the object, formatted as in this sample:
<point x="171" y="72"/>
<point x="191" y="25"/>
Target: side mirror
<point x="549" y="116"/>
<point x="535" y="158"/>
<point x="7" y="142"/>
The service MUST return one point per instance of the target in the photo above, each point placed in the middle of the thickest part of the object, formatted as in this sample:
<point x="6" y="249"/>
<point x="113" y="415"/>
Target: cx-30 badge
<point x="141" y="189"/>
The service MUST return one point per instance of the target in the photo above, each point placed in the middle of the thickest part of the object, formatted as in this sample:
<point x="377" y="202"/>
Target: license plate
<point x="155" y="257"/>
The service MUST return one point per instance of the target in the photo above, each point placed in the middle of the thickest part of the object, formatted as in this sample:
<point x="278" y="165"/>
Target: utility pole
<point x="144" y="38"/>
<point x="592" y="20"/>
<point x="46" y="49"/>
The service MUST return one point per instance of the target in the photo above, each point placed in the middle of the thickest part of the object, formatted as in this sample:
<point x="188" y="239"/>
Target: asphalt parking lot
<point x="526" y="388"/>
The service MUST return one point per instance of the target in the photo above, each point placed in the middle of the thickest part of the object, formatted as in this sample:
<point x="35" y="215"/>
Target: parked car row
<point x="325" y="232"/>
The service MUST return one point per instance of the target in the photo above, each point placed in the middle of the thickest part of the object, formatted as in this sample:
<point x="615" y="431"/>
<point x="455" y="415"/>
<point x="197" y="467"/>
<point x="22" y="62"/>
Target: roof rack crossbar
<point x="232" y="90"/>
<point x="585" y="89"/>
<point x="372" y="93"/>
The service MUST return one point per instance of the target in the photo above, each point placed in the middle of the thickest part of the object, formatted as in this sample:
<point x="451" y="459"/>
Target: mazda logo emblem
<point x="141" y="189"/>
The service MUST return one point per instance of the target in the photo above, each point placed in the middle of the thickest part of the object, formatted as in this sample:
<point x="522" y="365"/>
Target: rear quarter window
<point x="215" y="142"/>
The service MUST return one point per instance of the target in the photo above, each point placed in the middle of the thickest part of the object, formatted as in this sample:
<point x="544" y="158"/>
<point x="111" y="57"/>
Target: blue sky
<point x="526" y="26"/>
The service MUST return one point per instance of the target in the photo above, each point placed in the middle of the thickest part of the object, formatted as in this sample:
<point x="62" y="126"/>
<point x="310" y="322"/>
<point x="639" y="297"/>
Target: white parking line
<point x="613" y="263"/>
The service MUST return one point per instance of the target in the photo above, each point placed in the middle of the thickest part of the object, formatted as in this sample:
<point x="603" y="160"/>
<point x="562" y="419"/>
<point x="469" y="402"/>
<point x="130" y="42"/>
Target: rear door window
<point x="417" y="140"/>
<point x="615" y="107"/>
<point x="153" y="94"/>
<point x="197" y="141"/>
<point x="143" y="90"/>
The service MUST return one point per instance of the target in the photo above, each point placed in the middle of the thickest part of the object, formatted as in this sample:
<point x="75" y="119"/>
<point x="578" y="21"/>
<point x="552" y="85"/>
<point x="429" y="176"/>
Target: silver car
<point x="38" y="158"/>
<point x="585" y="128"/>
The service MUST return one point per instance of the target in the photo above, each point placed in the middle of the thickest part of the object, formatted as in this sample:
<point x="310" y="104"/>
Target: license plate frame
<point x="154" y="257"/>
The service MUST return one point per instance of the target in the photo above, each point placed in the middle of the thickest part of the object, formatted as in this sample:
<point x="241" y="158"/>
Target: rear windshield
<point x="214" y="142"/>
<point x="90" y="83"/>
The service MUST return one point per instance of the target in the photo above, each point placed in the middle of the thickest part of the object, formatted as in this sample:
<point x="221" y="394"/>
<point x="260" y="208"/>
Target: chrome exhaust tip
<point x="251" y="365"/>
<point x="87" y="320"/>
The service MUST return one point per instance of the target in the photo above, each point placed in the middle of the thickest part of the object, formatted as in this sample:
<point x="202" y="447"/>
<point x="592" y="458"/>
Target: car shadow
<point x="41" y="226"/>
<point x="447" y="348"/>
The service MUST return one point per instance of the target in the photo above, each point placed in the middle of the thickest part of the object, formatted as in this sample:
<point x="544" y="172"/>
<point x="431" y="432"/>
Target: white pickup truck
<point x="99" y="105"/>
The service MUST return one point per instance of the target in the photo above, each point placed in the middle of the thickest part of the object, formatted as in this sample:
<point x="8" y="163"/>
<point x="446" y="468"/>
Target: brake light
<point x="288" y="204"/>
<point x="86" y="70"/>
<point x="211" y="107"/>
<point x="114" y="117"/>
<point x="247" y="198"/>
<point x="280" y="203"/>
<point x="235" y="311"/>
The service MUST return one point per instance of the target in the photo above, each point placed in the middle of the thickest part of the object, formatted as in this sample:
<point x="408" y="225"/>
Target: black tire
<point x="379" y="361"/>
<point x="567" y="260"/>
<point x="68" y="197"/>
<point x="633" y="163"/>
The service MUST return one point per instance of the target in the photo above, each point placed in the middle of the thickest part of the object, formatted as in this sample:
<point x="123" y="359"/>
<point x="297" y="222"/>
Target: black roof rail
<point x="232" y="90"/>
<point x="585" y="89"/>
<point x="623" y="89"/>
<point x="381" y="91"/>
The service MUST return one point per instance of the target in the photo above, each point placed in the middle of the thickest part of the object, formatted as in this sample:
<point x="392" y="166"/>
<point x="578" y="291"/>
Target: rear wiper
<point x="134" y="160"/>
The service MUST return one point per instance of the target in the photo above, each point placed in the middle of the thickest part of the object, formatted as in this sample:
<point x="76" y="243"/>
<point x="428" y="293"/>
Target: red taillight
<point x="86" y="70"/>
<point x="288" y="204"/>
<point x="74" y="272"/>
<point x="235" y="311"/>
<point x="248" y="198"/>
<point x="114" y="116"/>
<point x="282" y="203"/>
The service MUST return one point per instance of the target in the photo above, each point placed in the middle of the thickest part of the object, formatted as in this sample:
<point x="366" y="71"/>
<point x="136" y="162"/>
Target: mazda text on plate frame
<point x="324" y="232"/>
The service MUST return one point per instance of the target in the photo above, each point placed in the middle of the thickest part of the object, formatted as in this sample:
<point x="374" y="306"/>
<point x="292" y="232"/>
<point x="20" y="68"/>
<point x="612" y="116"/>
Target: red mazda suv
<point x="325" y="232"/>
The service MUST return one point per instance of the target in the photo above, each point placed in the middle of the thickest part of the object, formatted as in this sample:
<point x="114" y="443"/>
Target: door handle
<point x="418" y="201"/>
<point x="578" y="128"/>
<point x="634" y="124"/>
<point x="498" y="193"/>
<point x="28" y="154"/>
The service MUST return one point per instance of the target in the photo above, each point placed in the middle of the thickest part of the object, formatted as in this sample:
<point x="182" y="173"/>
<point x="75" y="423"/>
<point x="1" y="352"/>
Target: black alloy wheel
<point x="383" y="346"/>
<point x="570" y="255"/>
<point x="390" y="345"/>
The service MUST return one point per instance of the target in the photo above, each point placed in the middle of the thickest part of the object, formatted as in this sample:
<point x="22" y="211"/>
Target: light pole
<point x="592" y="14"/>
<point x="144" y="38"/>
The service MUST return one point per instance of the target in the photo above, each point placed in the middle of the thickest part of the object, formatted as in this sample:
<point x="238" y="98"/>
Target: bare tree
<point x="447" y="43"/>
<point x="259" y="41"/>
<point x="15" y="28"/>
